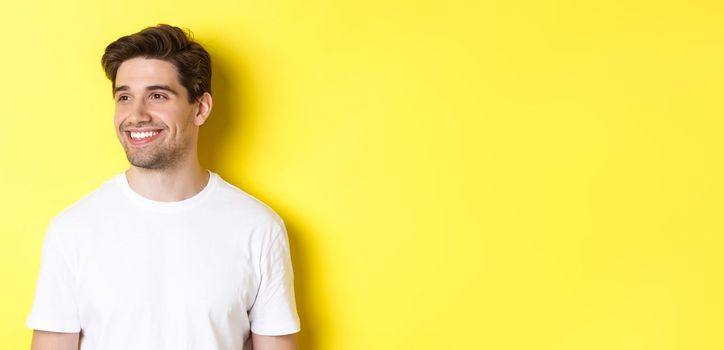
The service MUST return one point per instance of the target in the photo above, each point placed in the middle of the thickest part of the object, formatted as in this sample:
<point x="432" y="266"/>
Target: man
<point x="165" y="255"/>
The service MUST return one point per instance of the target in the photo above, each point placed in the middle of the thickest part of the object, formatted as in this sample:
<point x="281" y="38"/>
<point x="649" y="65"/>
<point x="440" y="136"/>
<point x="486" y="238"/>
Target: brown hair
<point x="166" y="43"/>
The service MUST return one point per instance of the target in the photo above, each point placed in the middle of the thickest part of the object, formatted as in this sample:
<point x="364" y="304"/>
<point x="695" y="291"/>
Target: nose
<point x="138" y="113"/>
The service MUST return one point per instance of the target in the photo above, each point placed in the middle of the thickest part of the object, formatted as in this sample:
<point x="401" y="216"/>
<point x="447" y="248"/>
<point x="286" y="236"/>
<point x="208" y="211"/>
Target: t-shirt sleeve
<point x="274" y="311"/>
<point x="54" y="307"/>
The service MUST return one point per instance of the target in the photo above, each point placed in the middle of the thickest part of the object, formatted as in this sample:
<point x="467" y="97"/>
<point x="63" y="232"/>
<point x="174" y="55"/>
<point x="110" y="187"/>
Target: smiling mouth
<point x="142" y="135"/>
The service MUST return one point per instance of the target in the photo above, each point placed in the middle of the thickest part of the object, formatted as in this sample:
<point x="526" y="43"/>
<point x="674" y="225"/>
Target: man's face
<point x="154" y="120"/>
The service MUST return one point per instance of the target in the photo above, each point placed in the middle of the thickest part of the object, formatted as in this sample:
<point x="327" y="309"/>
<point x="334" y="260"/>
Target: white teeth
<point x="142" y="135"/>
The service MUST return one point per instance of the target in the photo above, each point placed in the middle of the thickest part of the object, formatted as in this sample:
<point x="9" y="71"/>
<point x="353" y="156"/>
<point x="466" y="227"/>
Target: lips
<point x="140" y="137"/>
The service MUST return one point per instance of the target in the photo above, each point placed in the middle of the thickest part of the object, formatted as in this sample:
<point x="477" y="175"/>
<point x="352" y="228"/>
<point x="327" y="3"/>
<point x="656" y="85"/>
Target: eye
<point x="158" y="96"/>
<point x="123" y="98"/>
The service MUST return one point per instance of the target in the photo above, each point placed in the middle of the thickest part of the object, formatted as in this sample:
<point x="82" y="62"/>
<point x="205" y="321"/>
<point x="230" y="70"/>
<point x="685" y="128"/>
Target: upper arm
<point x="277" y="342"/>
<point x="43" y="340"/>
<point x="55" y="306"/>
<point x="274" y="311"/>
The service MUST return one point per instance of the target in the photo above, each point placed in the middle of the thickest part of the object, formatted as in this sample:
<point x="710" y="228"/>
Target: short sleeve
<point x="274" y="311"/>
<point x="55" y="305"/>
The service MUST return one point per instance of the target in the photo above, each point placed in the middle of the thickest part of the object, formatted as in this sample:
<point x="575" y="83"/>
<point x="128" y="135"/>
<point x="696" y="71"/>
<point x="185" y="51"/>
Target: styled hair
<point x="168" y="43"/>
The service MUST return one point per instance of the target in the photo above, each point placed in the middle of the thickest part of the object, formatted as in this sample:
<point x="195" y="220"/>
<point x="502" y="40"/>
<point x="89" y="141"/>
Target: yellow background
<point x="454" y="174"/>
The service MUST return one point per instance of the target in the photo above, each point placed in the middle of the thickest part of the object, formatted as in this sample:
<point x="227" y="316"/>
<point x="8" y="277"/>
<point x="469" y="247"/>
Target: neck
<point x="168" y="185"/>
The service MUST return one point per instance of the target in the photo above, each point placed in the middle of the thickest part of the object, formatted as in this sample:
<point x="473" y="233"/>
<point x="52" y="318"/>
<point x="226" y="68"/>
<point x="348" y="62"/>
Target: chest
<point x="166" y="271"/>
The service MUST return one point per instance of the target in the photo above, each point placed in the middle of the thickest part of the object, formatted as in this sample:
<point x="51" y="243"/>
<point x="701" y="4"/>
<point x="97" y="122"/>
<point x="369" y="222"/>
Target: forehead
<point x="140" y="72"/>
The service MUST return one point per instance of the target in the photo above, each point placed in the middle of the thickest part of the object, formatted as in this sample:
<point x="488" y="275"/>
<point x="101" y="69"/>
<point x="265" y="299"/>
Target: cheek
<point x="119" y="114"/>
<point x="117" y="120"/>
<point x="173" y="116"/>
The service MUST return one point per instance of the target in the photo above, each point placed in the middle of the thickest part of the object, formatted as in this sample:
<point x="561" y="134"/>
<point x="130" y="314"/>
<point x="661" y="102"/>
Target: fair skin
<point x="158" y="128"/>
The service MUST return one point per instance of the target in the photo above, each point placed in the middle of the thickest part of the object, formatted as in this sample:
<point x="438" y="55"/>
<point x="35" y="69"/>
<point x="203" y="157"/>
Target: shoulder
<point x="90" y="207"/>
<point x="243" y="205"/>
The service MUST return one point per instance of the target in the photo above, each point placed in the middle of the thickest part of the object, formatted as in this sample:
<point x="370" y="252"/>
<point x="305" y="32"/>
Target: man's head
<point x="161" y="85"/>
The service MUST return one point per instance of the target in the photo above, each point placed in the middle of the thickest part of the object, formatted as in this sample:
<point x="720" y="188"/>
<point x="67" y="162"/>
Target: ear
<point x="203" y="109"/>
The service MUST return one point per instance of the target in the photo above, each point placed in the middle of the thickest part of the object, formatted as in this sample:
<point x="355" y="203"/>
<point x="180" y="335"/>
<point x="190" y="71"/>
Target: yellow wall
<point x="454" y="174"/>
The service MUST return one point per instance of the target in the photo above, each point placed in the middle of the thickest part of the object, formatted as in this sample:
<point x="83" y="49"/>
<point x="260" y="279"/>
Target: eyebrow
<point x="148" y="88"/>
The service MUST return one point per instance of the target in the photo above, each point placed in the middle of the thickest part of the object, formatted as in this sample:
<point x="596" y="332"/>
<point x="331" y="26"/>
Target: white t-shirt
<point x="134" y="273"/>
